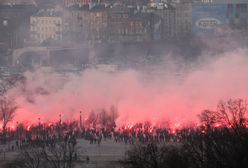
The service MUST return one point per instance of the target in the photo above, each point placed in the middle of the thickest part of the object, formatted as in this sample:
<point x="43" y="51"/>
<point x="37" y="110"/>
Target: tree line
<point x="221" y="141"/>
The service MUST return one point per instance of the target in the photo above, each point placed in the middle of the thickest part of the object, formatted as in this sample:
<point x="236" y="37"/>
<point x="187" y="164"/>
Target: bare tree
<point x="62" y="155"/>
<point x="230" y="114"/>
<point x="156" y="156"/>
<point x="7" y="112"/>
<point x="7" y="104"/>
<point x="27" y="158"/>
<point x="32" y="158"/>
<point x="207" y="118"/>
<point x="11" y="82"/>
<point x="92" y="119"/>
<point x="222" y="139"/>
<point x="103" y="118"/>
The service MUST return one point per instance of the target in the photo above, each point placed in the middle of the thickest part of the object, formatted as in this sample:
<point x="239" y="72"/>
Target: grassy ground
<point x="107" y="154"/>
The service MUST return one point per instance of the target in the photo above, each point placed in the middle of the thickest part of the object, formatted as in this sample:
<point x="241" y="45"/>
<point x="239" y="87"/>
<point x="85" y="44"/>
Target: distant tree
<point x="222" y="140"/>
<point x="92" y="119"/>
<point x="230" y="114"/>
<point x="8" y="106"/>
<point x="73" y="126"/>
<point x="207" y="118"/>
<point x="156" y="156"/>
<point x="62" y="155"/>
<point x="106" y="119"/>
<point x="7" y="112"/>
<point x="20" y="130"/>
<point x="11" y="82"/>
<point x="31" y="158"/>
<point x="102" y="118"/>
<point x="17" y="163"/>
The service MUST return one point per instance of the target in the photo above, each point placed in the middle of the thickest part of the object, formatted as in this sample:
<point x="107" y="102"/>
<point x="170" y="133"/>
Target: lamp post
<point x="60" y="119"/>
<point x="17" y="130"/>
<point x="38" y="128"/>
<point x="80" y="121"/>
<point x="60" y="124"/>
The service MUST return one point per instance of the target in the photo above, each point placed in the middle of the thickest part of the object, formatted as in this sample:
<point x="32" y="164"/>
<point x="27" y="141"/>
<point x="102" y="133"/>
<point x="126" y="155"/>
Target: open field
<point x="107" y="154"/>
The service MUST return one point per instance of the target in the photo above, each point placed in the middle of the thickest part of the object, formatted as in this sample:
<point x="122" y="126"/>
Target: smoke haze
<point x="166" y="94"/>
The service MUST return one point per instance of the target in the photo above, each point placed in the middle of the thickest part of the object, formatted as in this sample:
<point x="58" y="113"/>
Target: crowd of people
<point x="48" y="135"/>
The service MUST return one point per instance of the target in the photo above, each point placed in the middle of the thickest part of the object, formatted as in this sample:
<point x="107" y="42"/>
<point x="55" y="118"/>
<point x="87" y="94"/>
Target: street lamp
<point x="17" y="130"/>
<point x="80" y="121"/>
<point x="38" y="128"/>
<point x="60" y="123"/>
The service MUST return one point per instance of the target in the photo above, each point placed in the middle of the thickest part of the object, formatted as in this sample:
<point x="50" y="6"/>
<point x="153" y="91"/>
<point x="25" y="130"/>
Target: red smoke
<point x="160" y="99"/>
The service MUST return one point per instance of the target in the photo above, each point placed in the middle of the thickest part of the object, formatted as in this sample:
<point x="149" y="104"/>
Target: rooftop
<point x="17" y="2"/>
<point x="226" y="1"/>
<point x="88" y="7"/>
<point x="48" y="12"/>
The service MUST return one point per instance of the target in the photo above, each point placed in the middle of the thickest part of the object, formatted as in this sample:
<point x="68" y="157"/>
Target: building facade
<point x="183" y="19"/>
<point x="46" y="25"/>
<point x="124" y="25"/>
<point x="164" y="23"/>
<point x="219" y="16"/>
<point x="237" y="16"/>
<point x="101" y="24"/>
<point x="85" y="24"/>
<point x="14" y="22"/>
<point x="68" y="3"/>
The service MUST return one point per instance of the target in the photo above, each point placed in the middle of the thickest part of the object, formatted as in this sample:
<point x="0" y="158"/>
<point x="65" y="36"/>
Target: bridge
<point x="52" y="56"/>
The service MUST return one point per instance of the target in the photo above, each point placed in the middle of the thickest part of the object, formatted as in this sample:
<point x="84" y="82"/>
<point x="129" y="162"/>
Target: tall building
<point x="171" y="20"/>
<point x="164" y="23"/>
<point x="77" y="19"/>
<point x="183" y="19"/>
<point x="101" y="24"/>
<point x="125" y="25"/>
<point x="46" y="25"/>
<point x="237" y="16"/>
<point x="219" y="16"/>
<point x="87" y="24"/>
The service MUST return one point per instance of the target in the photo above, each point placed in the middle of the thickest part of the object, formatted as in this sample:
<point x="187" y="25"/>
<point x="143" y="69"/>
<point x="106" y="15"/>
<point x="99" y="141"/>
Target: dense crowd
<point x="48" y="135"/>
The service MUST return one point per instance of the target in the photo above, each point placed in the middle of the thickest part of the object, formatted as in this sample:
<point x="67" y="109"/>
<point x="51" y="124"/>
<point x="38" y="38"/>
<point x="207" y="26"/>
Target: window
<point x="237" y="10"/>
<point x="125" y="15"/>
<point x="98" y="14"/>
<point x="230" y="10"/>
